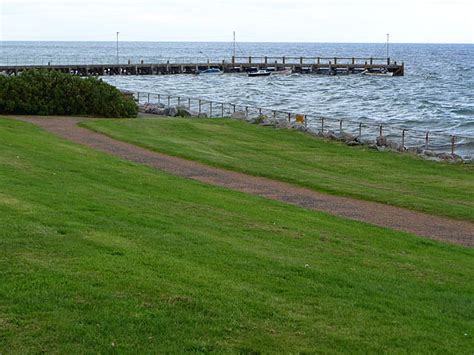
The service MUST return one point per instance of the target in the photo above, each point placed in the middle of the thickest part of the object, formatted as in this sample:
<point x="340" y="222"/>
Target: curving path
<point x="421" y="224"/>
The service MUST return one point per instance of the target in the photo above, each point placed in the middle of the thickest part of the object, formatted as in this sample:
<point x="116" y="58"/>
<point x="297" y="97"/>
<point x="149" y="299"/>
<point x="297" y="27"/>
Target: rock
<point x="202" y="115"/>
<point x="256" y="120"/>
<point x="428" y="153"/>
<point x="170" y="111"/>
<point x="330" y="135"/>
<point x="381" y="141"/>
<point x="239" y="115"/>
<point x="393" y="145"/>
<point x="282" y="123"/>
<point x="183" y="111"/>
<point x="344" y="136"/>
<point x="445" y="156"/>
<point x="353" y="143"/>
<point x="373" y="146"/>
<point x="269" y="121"/>
<point x="414" y="150"/>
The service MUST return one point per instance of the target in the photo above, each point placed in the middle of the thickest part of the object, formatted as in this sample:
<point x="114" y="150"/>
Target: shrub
<point x="44" y="92"/>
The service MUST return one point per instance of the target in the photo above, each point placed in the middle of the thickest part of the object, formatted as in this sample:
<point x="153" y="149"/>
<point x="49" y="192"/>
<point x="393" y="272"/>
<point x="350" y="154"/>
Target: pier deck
<point x="316" y="65"/>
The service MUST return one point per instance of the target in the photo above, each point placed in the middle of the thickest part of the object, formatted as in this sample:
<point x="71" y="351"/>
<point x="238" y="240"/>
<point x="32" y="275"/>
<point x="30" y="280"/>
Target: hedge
<point x="45" y="92"/>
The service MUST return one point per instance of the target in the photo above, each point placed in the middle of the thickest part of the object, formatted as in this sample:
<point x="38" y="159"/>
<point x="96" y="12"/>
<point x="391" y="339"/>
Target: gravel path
<point x="459" y="232"/>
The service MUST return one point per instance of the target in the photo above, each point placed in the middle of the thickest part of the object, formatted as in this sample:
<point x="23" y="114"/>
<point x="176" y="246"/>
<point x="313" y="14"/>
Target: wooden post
<point x="319" y="60"/>
<point x="284" y="60"/>
<point x="335" y="60"/>
<point x="371" y="61"/>
<point x="353" y="60"/>
<point x="266" y="60"/>
<point x="250" y="59"/>
<point x="233" y="59"/>
<point x="210" y="109"/>
<point x="301" y="60"/>
<point x="453" y="140"/>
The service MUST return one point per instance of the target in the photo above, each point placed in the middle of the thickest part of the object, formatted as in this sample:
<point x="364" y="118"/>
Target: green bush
<point x="44" y="92"/>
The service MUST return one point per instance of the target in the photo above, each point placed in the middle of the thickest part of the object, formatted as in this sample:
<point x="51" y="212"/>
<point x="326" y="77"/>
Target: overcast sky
<point x="412" y="21"/>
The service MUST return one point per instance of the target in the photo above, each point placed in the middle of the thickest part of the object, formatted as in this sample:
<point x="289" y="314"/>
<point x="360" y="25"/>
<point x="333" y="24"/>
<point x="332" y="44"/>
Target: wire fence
<point x="365" y="132"/>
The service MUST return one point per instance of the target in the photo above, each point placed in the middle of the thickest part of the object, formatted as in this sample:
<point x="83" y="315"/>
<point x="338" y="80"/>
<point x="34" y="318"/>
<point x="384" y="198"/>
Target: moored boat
<point x="260" y="72"/>
<point x="211" y="71"/>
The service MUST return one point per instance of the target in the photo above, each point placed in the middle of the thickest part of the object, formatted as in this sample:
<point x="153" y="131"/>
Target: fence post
<point x="138" y="97"/>
<point x="200" y="104"/>
<point x="340" y="126"/>
<point x="453" y="140"/>
<point x="222" y="110"/>
<point x="233" y="107"/>
<point x="169" y="101"/>
<point x="381" y="131"/>
<point x="159" y="99"/>
<point x="210" y="109"/>
<point x="322" y="124"/>
<point x="289" y="117"/>
<point x="403" y="138"/>
<point x="427" y="139"/>
<point x="148" y="98"/>
<point x="189" y="104"/>
<point x="259" y="111"/>
<point x="360" y="130"/>
<point x="305" y="122"/>
<point x="179" y="100"/>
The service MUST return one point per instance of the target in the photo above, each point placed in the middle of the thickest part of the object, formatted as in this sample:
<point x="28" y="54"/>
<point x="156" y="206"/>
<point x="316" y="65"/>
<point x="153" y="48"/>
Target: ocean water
<point x="436" y="93"/>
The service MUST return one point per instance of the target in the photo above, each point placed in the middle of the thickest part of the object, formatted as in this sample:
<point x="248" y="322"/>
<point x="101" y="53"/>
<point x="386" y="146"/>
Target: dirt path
<point x="459" y="232"/>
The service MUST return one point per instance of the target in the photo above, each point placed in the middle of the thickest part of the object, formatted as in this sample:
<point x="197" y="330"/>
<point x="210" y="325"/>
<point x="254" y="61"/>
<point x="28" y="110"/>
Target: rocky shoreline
<point x="381" y="143"/>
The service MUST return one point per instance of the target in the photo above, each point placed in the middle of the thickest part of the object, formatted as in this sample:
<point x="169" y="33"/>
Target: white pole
<point x="388" y="44"/>
<point x="118" y="60"/>
<point x="234" y="45"/>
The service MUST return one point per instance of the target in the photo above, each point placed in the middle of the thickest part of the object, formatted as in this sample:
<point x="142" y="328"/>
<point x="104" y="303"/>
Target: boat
<point x="211" y="71"/>
<point x="377" y="73"/>
<point x="260" y="72"/>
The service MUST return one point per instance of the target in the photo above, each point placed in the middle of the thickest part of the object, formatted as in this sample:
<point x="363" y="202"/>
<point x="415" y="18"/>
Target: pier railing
<point x="110" y="60"/>
<point x="366" y="132"/>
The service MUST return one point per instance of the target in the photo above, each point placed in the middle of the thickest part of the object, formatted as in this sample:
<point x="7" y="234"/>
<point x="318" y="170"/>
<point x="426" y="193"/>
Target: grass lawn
<point x="397" y="179"/>
<point x="102" y="255"/>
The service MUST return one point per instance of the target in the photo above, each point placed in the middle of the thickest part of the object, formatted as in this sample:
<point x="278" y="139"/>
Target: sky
<point x="407" y="21"/>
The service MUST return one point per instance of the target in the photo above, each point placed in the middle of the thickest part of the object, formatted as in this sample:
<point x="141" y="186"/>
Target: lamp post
<point x="388" y="44"/>
<point x="118" y="60"/>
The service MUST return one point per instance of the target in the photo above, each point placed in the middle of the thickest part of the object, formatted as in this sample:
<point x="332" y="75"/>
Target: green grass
<point x="397" y="179"/>
<point x="102" y="255"/>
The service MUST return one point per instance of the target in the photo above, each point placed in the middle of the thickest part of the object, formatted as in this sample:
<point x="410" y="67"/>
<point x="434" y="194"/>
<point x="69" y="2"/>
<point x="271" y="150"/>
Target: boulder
<point x="183" y="111"/>
<point x="239" y="115"/>
<point x="257" y="120"/>
<point x="282" y="123"/>
<point x="381" y="141"/>
<point x="298" y="126"/>
<point x="269" y="121"/>
<point x="170" y="111"/>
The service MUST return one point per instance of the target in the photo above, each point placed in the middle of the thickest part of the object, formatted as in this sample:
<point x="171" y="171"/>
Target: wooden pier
<point x="307" y="65"/>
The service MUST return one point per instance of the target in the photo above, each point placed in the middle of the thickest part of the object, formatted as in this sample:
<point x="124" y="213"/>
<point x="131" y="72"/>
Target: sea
<point x="436" y="94"/>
